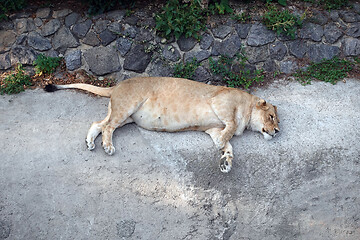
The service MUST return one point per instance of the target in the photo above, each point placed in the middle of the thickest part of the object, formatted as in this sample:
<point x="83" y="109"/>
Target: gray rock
<point x="116" y="15"/>
<point x="277" y="51"/>
<point x="320" y="17"/>
<point x="102" y="60"/>
<point x="201" y="74"/>
<point x="38" y="22"/>
<point x="353" y="30"/>
<point x="256" y="54"/>
<point x="125" y="228"/>
<point x="106" y="37"/>
<point x="116" y="27"/>
<point x="64" y="39"/>
<point x="259" y="35"/>
<point x="123" y="30"/>
<point x="317" y="52"/>
<point x="198" y="55"/>
<point x="298" y="48"/>
<point x="144" y="35"/>
<point x="51" y="53"/>
<point x="131" y="20"/>
<point x="171" y="53"/>
<point x="50" y="27"/>
<point x="270" y="66"/>
<point x="288" y="67"/>
<point x="243" y="29"/>
<point x="349" y="16"/>
<point x="137" y="59"/>
<point x="73" y="60"/>
<point x="332" y="33"/>
<point x="91" y="39"/>
<point x="7" y="39"/>
<point x="21" y="39"/>
<point x="24" y="25"/>
<point x="351" y="47"/>
<point x="38" y="42"/>
<point x="160" y="68"/>
<point x="81" y="29"/>
<point x="147" y="22"/>
<point x="101" y="25"/>
<point x="71" y="19"/>
<point x="221" y="31"/>
<point x="6" y="25"/>
<point x="123" y="45"/>
<point x="5" y="62"/>
<point x="61" y="13"/>
<point x="43" y="13"/>
<point x="206" y="41"/>
<point x="23" y="55"/>
<point x="186" y="44"/>
<point x="229" y="47"/>
<point x="5" y="230"/>
<point x="312" y="31"/>
<point x="334" y="15"/>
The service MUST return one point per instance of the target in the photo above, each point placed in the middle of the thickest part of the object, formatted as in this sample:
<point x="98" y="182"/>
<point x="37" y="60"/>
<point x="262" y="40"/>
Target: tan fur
<point x="173" y="104"/>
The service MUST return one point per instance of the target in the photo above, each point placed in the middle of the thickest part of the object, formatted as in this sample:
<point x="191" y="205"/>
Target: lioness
<point x="174" y="104"/>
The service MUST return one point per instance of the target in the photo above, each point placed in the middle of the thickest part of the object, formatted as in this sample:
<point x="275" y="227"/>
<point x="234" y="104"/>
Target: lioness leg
<point x="95" y="130"/>
<point x="119" y="116"/>
<point x="227" y="151"/>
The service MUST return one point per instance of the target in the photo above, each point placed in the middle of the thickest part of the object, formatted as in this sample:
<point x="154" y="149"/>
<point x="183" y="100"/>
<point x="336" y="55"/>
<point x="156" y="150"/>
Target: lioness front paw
<point x="225" y="163"/>
<point x="109" y="149"/>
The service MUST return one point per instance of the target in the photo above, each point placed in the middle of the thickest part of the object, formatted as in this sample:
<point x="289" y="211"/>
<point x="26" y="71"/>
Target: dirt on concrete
<point x="303" y="184"/>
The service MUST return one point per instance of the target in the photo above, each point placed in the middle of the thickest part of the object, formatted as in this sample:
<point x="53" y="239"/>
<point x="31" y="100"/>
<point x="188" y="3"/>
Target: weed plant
<point x="243" y="78"/>
<point x="282" y="22"/>
<point x="180" y="18"/>
<point x="7" y="6"/>
<point x="186" y="70"/>
<point x="15" y="82"/>
<point x="331" y="71"/>
<point x="45" y="65"/>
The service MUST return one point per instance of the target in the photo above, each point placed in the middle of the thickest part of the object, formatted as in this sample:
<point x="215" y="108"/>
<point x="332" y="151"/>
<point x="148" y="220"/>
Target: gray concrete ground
<point x="304" y="184"/>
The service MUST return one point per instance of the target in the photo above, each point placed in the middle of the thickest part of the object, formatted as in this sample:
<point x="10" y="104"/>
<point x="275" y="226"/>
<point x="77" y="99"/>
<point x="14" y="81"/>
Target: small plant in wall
<point x="186" y="70"/>
<point x="180" y="18"/>
<point x="16" y="82"/>
<point x="282" y="22"/>
<point x="241" y="78"/>
<point x="44" y="64"/>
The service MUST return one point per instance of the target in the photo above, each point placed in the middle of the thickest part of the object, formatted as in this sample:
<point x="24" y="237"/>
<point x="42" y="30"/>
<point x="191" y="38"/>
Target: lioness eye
<point x="271" y="117"/>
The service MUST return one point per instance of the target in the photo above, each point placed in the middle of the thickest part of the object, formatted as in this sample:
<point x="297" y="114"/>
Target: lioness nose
<point x="277" y="130"/>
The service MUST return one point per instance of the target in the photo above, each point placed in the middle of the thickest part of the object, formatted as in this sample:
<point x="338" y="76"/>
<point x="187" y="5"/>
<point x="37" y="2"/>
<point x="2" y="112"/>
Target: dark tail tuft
<point x="51" y="88"/>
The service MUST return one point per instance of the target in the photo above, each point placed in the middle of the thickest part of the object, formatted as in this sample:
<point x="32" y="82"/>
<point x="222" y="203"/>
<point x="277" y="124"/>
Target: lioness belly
<point x="176" y="116"/>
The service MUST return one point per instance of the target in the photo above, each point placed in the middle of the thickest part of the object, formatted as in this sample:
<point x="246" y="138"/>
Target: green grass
<point x="15" y="82"/>
<point x="331" y="71"/>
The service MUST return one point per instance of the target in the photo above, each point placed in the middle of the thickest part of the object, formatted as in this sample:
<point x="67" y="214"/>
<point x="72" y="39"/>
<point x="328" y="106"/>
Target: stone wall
<point x="121" y="46"/>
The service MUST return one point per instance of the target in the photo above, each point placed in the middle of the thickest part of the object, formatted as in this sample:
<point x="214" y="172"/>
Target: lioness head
<point x="264" y="119"/>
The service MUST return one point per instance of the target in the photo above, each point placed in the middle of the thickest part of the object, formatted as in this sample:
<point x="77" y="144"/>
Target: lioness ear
<point x="275" y="108"/>
<point x="262" y="104"/>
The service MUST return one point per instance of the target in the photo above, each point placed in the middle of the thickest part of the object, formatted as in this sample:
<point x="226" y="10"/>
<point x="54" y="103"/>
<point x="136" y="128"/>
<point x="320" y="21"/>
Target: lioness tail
<point x="101" y="91"/>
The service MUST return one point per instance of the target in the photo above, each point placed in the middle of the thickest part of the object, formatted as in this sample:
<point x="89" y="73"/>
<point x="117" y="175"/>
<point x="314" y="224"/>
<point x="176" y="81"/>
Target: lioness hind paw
<point x="225" y="164"/>
<point x="90" y="145"/>
<point x="110" y="150"/>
